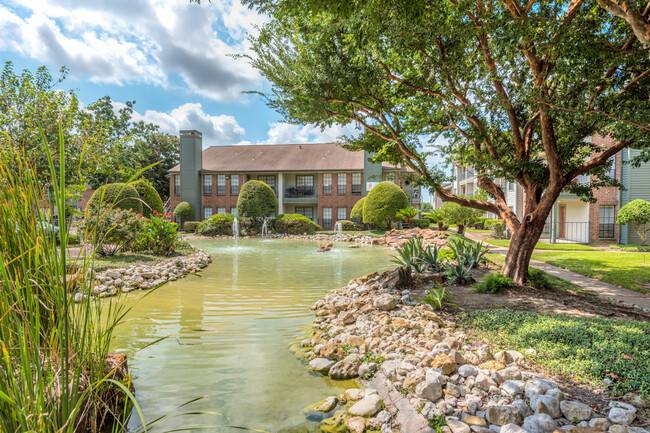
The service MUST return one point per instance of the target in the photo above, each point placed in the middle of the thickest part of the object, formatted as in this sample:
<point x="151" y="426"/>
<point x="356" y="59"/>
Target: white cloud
<point x="145" y="41"/>
<point x="285" y="133"/>
<point x="216" y="130"/>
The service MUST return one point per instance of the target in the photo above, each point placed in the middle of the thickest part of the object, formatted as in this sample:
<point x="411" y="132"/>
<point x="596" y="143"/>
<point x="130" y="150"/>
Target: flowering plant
<point x="158" y="236"/>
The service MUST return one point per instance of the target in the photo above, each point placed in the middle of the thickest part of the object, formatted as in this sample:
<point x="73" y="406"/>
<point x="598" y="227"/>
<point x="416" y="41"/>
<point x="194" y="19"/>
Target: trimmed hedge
<point x="256" y="200"/>
<point x="349" y="226"/>
<point x="216" y="225"/>
<point x="382" y="204"/>
<point x="184" y="211"/>
<point x="191" y="226"/>
<point x="117" y="195"/>
<point x="357" y="210"/>
<point x="295" y="224"/>
<point x="150" y="197"/>
<point x="421" y="223"/>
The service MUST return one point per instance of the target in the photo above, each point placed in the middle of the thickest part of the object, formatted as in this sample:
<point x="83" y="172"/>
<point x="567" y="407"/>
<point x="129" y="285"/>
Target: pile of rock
<point x="428" y="372"/>
<point x="396" y="238"/>
<point x="113" y="281"/>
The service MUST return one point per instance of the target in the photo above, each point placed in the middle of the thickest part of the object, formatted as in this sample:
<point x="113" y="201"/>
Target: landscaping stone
<point x="385" y="302"/>
<point x="511" y="428"/>
<point x="347" y="368"/>
<point x="457" y="427"/>
<point x="321" y="365"/>
<point x="539" y="423"/>
<point x="367" y="406"/>
<point x="546" y="404"/>
<point x="328" y="404"/>
<point x="573" y="410"/>
<point x="621" y="413"/>
<point x="502" y="415"/>
<point x="445" y="363"/>
<point x="356" y="424"/>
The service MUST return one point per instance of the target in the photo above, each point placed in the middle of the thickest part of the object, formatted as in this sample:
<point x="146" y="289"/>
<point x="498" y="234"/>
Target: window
<point x="305" y="211"/>
<point x="343" y="183"/>
<point x="234" y="184"/>
<point x="221" y="210"/>
<point x="177" y="184"/>
<point x="341" y="213"/>
<point x="207" y="184"/>
<point x="304" y="186"/>
<point x="221" y="184"/>
<point x="390" y="177"/>
<point x="269" y="180"/>
<point x="606" y="219"/>
<point x="302" y="180"/>
<point x="612" y="169"/>
<point x="207" y="212"/>
<point x="511" y="186"/>
<point x="356" y="183"/>
<point x="233" y="210"/>
<point x="327" y="217"/>
<point x="327" y="183"/>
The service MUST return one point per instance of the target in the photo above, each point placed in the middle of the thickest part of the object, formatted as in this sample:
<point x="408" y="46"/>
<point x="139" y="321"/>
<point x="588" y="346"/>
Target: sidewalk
<point x="597" y="287"/>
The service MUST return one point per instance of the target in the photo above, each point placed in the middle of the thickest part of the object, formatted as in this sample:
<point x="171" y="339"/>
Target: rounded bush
<point x="184" y="211"/>
<point x="494" y="283"/>
<point x="256" y="200"/>
<point x="421" y="223"/>
<point x="191" y="226"/>
<point x="150" y="197"/>
<point x="382" y="204"/>
<point x="357" y="210"/>
<point x="117" y="196"/>
<point x="349" y="226"/>
<point x="216" y="225"/>
<point x="636" y="213"/>
<point x="295" y="224"/>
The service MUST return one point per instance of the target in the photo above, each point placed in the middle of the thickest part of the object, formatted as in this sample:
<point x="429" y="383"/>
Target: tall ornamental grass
<point x="53" y="374"/>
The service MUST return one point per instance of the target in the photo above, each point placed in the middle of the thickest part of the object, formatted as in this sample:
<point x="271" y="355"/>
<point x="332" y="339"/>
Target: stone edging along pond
<point x="420" y="372"/>
<point x="113" y="281"/>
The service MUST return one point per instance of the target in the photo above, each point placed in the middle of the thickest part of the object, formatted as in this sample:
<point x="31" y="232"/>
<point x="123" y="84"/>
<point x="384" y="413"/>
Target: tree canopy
<point x="517" y="90"/>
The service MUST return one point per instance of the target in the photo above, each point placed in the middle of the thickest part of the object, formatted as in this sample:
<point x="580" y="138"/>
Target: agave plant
<point x="437" y="298"/>
<point x="459" y="273"/>
<point x="432" y="259"/>
<point x="410" y="255"/>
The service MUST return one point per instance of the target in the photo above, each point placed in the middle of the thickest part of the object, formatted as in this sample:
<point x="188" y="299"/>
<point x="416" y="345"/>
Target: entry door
<point x="562" y="222"/>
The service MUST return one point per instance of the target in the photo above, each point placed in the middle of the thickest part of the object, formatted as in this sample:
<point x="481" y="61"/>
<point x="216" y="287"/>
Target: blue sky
<point x="170" y="56"/>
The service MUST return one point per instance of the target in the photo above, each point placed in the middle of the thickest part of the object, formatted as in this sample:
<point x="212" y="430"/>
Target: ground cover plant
<point x="545" y="246"/>
<point x="588" y="350"/>
<point x="629" y="270"/>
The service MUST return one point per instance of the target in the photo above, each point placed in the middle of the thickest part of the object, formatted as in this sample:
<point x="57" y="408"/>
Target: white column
<point x="280" y="188"/>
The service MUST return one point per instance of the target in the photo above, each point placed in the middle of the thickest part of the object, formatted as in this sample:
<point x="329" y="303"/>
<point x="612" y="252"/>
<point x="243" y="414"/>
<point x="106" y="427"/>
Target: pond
<point x="229" y="330"/>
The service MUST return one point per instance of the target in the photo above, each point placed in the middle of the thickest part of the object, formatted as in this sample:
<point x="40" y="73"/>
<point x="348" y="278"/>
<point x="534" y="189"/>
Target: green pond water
<point x="230" y="329"/>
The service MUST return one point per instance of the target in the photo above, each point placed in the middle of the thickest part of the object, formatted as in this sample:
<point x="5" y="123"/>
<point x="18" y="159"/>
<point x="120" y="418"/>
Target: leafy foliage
<point x="455" y="214"/>
<point x="117" y="196"/>
<point x="349" y="226"/>
<point x="586" y="349"/>
<point x="216" y="225"/>
<point x="494" y="283"/>
<point x="382" y="204"/>
<point x="151" y="200"/>
<point x="498" y="229"/>
<point x="191" y="226"/>
<point x="158" y="236"/>
<point x="295" y="224"/>
<point x="637" y="213"/>
<point x="421" y="223"/>
<point x="357" y="209"/>
<point x="256" y="200"/>
<point x="409" y="254"/>
<point x="459" y="273"/>
<point x="112" y="230"/>
<point x="437" y="298"/>
<point x="468" y="252"/>
<point x="408" y="213"/>
<point x="184" y="211"/>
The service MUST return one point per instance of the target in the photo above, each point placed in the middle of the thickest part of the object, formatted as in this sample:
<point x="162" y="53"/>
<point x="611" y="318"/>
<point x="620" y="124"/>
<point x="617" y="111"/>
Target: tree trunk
<point x="461" y="229"/>
<point x="522" y="244"/>
<point x="404" y="278"/>
<point x="441" y="226"/>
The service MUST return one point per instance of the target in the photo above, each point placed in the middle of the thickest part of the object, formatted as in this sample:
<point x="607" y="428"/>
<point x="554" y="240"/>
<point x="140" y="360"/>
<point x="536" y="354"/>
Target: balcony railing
<point x="466" y="175"/>
<point x="567" y="232"/>
<point x="299" y="191"/>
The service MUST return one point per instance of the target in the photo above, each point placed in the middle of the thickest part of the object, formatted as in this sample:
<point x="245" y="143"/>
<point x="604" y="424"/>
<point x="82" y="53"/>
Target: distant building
<point x="436" y="202"/>
<point x="320" y="181"/>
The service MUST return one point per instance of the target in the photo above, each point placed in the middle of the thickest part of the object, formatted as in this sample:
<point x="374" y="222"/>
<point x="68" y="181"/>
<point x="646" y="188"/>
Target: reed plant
<point x="53" y="369"/>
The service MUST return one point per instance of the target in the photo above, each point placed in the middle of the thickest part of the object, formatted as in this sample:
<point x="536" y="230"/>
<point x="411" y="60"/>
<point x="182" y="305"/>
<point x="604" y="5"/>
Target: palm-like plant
<point x="407" y="214"/>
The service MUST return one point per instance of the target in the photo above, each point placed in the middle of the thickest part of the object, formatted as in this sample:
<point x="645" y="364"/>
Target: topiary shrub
<point x="111" y="230"/>
<point x="421" y="223"/>
<point x="637" y="213"/>
<point x="150" y="198"/>
<point x="116" y="196"/>
<point x="494" y="283"/>
<point x="216" y="225"/>
<point x="256" y="200"/>
<point x="295" y="224"/>
<point x="191" y="226"/>
<point x="184" y="211"/>
<point x="498" y="229"/>
<point x="357" y="210"/>
<point x="382" y="204"/>
<point x="349" y="226"/>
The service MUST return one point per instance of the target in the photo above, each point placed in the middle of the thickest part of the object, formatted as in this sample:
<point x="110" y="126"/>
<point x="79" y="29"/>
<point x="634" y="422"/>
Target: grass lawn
<point x="629" y="270"/>
<point x="477" y="231"/>
<point x="544" y="246"/>
<point x="123" y="260"/>
<point x="631" y="247"/>
<point x="585" y="349"/>
<point x="372" y="233"/>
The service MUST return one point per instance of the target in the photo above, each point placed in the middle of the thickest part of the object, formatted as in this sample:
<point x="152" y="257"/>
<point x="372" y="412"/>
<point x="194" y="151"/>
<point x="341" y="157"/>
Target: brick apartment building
<point x="573" y="220"/>
<point x="320" y="181"/>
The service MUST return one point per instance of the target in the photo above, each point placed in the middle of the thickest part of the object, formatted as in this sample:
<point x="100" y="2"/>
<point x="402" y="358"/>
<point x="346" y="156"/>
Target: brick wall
<point x="336" y="200"/>
<point x="605" y="196"/>
<point x="174" y="199"/>
<point x="226" y="200"/>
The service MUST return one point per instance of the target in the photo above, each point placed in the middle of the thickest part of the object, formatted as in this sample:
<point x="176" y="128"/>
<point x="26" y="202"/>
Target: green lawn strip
<point x="126" y="259"/>
<point x="629" y="270"/>
<point x="477" y="231"/>
<point x="545" y="246"/>
<point x="585" y="349"/>
<point x="631" y="247"/>
<point x="371" y="233"/>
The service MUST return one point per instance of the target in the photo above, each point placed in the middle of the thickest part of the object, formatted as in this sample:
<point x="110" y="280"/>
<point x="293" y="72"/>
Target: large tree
<point x="515" y="88"/>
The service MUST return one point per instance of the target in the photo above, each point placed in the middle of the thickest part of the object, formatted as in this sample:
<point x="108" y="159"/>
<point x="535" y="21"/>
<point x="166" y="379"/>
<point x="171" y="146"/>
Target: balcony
<point x="300" y="194"/>
<point x="466" y="176"/>
<point x="583" y="179"/>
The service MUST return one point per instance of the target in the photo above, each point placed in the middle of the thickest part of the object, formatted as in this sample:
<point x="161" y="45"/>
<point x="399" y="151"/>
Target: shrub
<point x="421" y="223"/>
<point x="357" y="210"/>
<point x="116" y="196"/>
<point x="295" y="224"/>
<point x="151" y="200"/>
<point x="637" y="213"/>
<point x="382" y="204"/>
<point x="184" y="211"/>
<point x="191" y="226"/>
<point x="256" y="200"/>
<point x="216" y="225"/>
<point x="112" y="230"/>
<point x="349" y="226"/>
<point x="498" y="229"/>
<point x="494" y="283"/>
<point x="488" y="222"/>
<point x="462" y="216"/>
<point x="407" y="214"/>
<point x="539" y="279"/>
<point x="158" y="236"/>
<point x="437" y="298"/>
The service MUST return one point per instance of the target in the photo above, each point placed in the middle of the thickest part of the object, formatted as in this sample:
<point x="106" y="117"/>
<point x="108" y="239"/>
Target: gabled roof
<point x="281" y="157"/>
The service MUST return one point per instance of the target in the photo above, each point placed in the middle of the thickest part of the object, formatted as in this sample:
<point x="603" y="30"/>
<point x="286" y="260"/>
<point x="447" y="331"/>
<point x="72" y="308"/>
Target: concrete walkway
<point x="600" y="288"/>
